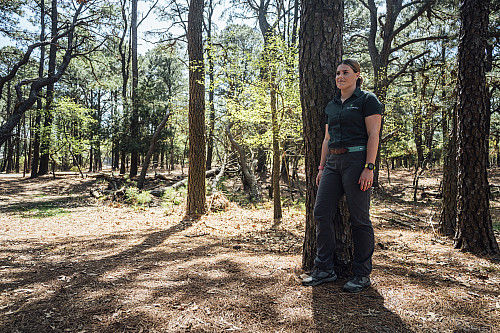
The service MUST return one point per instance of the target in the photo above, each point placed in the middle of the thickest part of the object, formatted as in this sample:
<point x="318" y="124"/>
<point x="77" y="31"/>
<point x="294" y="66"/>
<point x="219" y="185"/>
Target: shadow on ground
<point x="160" y="281"/>
<point x="337" y="311"/>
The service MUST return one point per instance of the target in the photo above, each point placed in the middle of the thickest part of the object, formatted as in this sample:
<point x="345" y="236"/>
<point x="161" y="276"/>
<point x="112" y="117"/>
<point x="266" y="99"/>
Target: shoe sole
<point x="318" y="282"/>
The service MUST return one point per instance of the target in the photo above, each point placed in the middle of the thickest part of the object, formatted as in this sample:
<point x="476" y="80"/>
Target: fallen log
<point x="158" y="192"/>
<point x="247" y="172"/>
<point x="161" y="176"/>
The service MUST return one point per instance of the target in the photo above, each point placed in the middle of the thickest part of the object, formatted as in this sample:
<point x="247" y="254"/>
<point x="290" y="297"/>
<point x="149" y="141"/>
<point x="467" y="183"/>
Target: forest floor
<point x="73" y="263"/>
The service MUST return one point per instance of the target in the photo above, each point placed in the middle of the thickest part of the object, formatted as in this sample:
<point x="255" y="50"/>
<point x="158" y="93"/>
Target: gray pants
<point x="341" y="175"/>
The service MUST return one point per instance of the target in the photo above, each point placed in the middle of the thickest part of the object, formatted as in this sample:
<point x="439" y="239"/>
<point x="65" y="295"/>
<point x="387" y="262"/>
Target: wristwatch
<point x="370" y="166"/>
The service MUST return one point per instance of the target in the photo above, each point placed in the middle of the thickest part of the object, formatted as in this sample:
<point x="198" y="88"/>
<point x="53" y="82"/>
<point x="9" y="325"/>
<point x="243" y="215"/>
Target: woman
<point x="348" y="156"/>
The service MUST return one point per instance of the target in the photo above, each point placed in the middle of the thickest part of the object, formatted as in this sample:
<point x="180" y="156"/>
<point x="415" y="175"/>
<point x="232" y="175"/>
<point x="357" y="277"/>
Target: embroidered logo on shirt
<point x="352" y="107"/>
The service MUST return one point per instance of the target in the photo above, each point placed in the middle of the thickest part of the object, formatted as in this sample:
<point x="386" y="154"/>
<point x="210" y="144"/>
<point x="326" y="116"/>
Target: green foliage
<point x="173" y="197"/>
<point x="136" y="197"/>
<point x="246" y="95"/>
<point x="72" y="126"/>
<point x="496" y="226"/>
<point x="161" y="85"/>
<point x="42" y="210"/>
<point x="91" y="114"/>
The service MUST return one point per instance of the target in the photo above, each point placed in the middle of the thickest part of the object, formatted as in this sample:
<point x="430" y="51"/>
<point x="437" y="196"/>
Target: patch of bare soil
<point x="71" y="263"/>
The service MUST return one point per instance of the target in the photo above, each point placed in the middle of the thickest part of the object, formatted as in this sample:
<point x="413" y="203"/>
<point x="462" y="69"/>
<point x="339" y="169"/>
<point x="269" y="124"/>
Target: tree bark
<point x="277" y="212"/>
<point x="475" y="231"/>
<point x="320" y="51"/>
<point x="197" y="150"/>
<point x="417" y="125"/>
<point x="125" y="61"/>
<point x="134" y="118"/>
<point x="211" y="88"/>
<point x="12" y="140"/>
<point x="35" y="133"/>
<point x="47" y="124"/>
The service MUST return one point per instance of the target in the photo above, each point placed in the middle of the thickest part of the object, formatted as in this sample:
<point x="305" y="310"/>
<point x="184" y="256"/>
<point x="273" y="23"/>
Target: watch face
<point x="370" y="166"/>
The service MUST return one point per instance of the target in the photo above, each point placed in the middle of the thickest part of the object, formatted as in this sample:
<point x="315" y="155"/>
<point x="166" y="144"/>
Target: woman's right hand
<point x="318" y="177"/>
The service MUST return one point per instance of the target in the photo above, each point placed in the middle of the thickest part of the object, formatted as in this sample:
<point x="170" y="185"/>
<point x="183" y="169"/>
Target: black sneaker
<point x="357" y="284"/>
<point x="319" y="276"/>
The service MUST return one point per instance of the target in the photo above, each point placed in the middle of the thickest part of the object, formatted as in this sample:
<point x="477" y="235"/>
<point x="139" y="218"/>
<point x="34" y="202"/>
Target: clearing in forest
<point x="72" y="263"/>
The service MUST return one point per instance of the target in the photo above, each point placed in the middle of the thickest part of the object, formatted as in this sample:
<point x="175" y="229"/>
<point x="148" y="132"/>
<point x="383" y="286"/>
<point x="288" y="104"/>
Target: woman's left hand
<point x="366" y="179"/>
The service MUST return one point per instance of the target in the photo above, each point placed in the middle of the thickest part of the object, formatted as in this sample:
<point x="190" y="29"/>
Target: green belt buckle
<point x="356" y="148"/>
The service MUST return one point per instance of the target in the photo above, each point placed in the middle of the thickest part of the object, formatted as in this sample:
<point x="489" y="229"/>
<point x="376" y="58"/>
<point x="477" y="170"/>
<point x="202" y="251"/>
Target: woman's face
<point x="346" y="78"/>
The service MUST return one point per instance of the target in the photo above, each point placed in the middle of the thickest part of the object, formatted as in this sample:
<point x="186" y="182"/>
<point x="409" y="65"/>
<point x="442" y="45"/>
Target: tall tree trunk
<point x="285" y="162"/>
<point x="276" y="153"/>
<point x="417" y="125"/>
<point x="475" y="231"/>
<point x="115" y="164"/>
<point x="9" y="160"/>
<point x="211" y="87"/>
<point x="319" y="53"/>
<point x="268" y="73"/>
<point x="5" y="153"/>
<point x="18" y="148"/>
<point x="35" y="134"/>
<point x="47" y="123"/>
<point x="123" y="162"/>
<point x="125" y="55"/>
<point x="12" y="140"/>
<point x="26" y="144"/>
<point x="197" y="162"/>
<point x="134" y="119"/>
<point x="97" y="134"/>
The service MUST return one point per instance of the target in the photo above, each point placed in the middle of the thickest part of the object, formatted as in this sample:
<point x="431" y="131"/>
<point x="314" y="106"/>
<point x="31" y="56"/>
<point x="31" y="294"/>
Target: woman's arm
<point x="324" y="154"/>
<point x="373" y="124"/>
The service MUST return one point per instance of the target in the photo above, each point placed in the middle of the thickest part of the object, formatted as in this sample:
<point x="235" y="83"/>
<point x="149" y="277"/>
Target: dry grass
<point x="70" y="263"/>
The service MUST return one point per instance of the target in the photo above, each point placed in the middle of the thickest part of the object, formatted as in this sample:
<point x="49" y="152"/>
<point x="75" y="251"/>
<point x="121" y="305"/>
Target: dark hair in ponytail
<point x="355" y="67"/>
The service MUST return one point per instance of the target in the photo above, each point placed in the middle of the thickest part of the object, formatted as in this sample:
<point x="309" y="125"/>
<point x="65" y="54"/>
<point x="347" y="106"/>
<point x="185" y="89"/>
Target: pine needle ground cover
<point x="90" y="265"/>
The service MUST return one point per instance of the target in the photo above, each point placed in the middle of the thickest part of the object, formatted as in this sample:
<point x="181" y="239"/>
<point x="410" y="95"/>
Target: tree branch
<point x="37" y="84"/>
<point x="360" y="36"/>
<point x="26" y="58"/>
<point x="372" y="45"/>
<point x="405" y="66"/>
<point x="417" y="40"/>
<point x="410" y="4"/>
<point x="147" y="14"/>
<point x="422" y="9"/>
<point x="364" y="4"/>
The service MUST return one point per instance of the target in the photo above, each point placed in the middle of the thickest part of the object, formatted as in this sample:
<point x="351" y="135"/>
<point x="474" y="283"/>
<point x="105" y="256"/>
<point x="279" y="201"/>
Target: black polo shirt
<point x="346" y="122"/>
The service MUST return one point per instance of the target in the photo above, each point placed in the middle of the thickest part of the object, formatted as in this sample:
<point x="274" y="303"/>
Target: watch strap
<point x="370" y="166"/>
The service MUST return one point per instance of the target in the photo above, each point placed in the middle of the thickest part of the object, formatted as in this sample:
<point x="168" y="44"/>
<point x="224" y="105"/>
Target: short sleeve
<point x="372" y="105"/>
